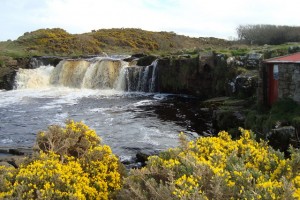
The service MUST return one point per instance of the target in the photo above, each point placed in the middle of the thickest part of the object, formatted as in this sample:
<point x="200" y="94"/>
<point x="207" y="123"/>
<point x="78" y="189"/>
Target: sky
<point x="195" y="18"/>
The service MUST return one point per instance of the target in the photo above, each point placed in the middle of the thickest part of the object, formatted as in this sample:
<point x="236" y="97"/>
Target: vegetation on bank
<point x="284" y="112"/>
<point x="57" y="41"/>
<point x="71" y="163"/>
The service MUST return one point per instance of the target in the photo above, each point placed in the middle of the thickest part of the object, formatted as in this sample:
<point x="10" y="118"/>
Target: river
<point x="129" y="122"/>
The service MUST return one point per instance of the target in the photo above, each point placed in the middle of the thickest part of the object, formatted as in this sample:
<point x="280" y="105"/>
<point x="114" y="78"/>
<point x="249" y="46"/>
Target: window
<point x="275" y="72"/>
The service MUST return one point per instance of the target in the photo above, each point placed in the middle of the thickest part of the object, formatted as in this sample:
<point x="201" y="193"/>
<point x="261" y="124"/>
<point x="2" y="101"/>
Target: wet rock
<point x="7" y="76"/>
<point x="146" y="60"/>
<point x="15" y="152"/>
<point x="135" y="57"/>
<point x="38" y="61"/>
<point x="142" y="157"/>
<point x="3" y="151"/>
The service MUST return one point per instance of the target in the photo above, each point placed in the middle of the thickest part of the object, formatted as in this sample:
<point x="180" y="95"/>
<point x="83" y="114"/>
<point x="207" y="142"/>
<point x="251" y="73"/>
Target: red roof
<point x="292" y="58"/>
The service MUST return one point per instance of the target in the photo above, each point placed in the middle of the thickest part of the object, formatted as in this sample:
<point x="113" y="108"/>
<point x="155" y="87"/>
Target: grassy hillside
<point x="59" y="42"/>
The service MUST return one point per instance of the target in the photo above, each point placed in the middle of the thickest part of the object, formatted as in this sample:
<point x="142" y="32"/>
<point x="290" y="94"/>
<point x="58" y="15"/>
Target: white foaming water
<point x="6" y="141"/>
<point x="33" y="78"/>
<point x="99" y="73"/>
<point x="153" y="77"/>
<point x="120" y="84"/>
<point x="91" y="91"/>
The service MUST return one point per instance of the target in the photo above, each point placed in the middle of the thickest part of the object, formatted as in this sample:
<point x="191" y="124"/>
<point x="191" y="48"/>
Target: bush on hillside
<point x="217" y="168"/>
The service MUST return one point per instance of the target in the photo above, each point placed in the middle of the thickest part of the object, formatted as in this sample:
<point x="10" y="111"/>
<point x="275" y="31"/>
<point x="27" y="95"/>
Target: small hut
<point x="279" y="78"/>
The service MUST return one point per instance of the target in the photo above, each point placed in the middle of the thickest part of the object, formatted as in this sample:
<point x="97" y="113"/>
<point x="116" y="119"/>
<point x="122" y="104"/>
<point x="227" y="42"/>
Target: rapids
<point x="108" y="95"/>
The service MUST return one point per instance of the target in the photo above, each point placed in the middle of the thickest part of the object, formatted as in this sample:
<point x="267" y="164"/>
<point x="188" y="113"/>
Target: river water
<point x="127" y="121"/>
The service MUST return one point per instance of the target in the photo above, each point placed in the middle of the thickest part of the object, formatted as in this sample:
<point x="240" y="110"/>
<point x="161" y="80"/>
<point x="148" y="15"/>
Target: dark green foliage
<point x="283" y="112"/>
<point x="268" y="34"/>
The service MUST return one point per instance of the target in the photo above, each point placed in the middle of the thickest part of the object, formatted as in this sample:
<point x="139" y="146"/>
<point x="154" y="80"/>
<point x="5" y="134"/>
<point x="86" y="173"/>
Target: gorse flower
<point x="71" y="164"/>
<point x="218" y="168"/>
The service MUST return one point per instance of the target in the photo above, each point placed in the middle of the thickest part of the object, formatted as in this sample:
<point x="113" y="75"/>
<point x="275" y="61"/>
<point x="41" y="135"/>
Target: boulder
<point x="246" y="84"/>
<point x="281" y="137"/>
<point x="7" y="77"/>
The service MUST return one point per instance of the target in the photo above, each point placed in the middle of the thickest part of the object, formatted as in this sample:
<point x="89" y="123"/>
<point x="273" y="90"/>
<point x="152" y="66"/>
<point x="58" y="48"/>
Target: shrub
<point x="217" y="168"/>
<point x="76" y="139"/>
<point x="7" y="178"/>
<point x="70" y="163"/>
<point x="49" y="178"/>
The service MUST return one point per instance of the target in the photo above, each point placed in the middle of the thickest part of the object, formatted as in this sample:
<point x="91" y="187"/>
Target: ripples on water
<point x="128" y="122"/>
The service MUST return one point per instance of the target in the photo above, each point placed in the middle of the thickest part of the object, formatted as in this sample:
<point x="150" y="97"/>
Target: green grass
<point x="284" y="111"/>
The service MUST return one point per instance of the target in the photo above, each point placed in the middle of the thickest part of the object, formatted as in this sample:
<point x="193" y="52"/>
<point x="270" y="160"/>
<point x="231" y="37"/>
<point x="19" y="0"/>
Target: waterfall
<point x="153" y="77"/>
<point x="142" y="78"/>
<point x="69" y="73"/>
<point x="33" y="78"/>
<point x="144" y="83"/>
<point x="99" y="73"/>
<point x="121" y="81"/>
<point x="139" y="85"/>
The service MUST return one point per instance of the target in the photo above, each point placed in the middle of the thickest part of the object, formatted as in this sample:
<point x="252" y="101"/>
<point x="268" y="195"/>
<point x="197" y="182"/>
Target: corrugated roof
<point x="292" y="58"/>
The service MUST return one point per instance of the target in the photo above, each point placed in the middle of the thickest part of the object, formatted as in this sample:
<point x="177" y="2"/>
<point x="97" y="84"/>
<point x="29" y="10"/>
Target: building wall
<point x="289" y="81"/>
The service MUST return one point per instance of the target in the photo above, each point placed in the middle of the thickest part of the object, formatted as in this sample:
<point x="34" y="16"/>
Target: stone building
<point x="279" y="78"/>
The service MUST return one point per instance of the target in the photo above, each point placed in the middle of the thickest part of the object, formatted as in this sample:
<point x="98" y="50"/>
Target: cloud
<point x="190" y="17"/>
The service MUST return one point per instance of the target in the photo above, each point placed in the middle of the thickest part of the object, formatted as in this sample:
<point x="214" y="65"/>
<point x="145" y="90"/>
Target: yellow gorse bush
<point x="70" y="163"/>
<point x="218" y="168"/>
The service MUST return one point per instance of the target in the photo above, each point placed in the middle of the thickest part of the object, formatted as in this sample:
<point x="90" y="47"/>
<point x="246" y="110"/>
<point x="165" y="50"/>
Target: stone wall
<point x="289" y="81"/>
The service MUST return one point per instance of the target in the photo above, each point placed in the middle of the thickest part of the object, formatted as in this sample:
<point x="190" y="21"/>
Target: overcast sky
<point x="197" y="18"/>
